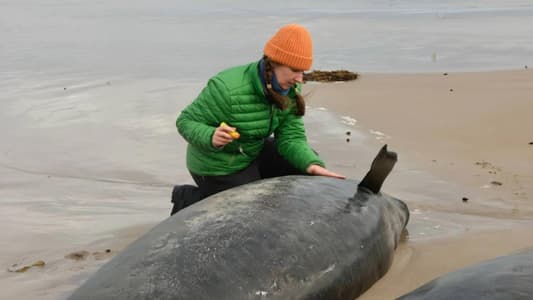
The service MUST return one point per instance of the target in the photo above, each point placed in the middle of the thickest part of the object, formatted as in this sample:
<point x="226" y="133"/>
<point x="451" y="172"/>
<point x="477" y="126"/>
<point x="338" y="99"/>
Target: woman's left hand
<point x="321" y="171"/>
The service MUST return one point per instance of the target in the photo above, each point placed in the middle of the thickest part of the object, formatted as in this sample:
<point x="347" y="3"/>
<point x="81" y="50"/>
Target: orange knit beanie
<point x="291" y="46"/>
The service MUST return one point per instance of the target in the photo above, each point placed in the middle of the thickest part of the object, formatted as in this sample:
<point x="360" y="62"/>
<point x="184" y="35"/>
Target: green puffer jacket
<point x="236" y="96"/>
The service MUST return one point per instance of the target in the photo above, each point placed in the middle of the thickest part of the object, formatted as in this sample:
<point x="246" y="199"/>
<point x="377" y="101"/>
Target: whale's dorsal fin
<point x="379" y="170"/>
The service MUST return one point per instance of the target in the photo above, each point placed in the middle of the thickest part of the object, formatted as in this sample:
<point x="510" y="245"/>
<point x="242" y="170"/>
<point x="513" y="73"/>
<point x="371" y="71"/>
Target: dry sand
<point x="471" y="131"/>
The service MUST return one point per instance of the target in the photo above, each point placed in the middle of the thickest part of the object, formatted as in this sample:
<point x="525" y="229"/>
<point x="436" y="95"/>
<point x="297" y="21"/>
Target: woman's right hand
<point x="321" y="171"/>
<point x="222" y="136"/>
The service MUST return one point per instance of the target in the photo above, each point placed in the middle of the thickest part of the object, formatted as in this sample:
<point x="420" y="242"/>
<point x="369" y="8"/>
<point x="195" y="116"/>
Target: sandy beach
<point x="471" y="132"/>
<point x="465" y="170"/>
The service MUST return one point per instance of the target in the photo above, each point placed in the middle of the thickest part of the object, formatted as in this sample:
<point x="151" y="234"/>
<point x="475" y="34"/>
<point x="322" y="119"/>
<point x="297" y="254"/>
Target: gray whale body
<point x="293" y="237"/>
<point x="502" y="278"/>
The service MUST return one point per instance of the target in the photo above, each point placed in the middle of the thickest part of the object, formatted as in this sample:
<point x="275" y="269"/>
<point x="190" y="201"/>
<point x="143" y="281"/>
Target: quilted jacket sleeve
<point x="198" y="121"/>
<point x="292" y="143"/>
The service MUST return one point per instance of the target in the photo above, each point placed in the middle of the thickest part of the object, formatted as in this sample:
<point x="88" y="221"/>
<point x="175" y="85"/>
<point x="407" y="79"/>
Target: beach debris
<point x="39" y="263"/>
<point x="525" y="67"/>
<point x="483" y="164"/>
<point x="531" y="143"/>
<point x="496" y="183"/>
<point x="330" y="76"/>
<point x="465" y="199"/>
<point x="348" y="133"/>
<point x="17" y="268"/>
<point x="347" y="140"/>
<point x="23" y="268"/>
<point x="451" y="90"/>
<point x="445" y="74"/>
<point x="487" y="165"/>
<point x="78" y="255"/>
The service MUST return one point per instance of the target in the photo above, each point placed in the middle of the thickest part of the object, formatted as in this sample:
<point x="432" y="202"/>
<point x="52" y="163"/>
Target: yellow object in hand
<point x="234" y="134"/>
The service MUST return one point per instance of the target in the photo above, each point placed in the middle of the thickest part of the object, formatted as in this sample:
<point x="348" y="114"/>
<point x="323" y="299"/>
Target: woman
<point x="229" y="125"/>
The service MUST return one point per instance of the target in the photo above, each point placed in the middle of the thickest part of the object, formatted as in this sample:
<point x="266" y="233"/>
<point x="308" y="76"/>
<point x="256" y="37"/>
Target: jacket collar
<point x="258" y="83"/>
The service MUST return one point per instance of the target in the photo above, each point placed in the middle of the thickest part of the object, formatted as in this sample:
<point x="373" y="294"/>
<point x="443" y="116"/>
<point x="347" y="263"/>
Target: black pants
<point x="269" y="164"/>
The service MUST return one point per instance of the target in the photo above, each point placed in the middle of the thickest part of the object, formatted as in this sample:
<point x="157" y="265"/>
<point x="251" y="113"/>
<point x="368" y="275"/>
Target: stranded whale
<point x="293" y="237"/>
<point x="506" y="277"/>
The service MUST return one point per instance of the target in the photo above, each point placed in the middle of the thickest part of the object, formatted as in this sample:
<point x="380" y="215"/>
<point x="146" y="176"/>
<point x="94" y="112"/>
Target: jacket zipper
<point x="271" y="120"/>
<point x="241" y="150"/>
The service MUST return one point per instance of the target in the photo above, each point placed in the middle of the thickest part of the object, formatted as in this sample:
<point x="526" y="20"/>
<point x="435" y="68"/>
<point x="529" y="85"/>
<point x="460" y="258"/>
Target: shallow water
<point x="185" y="40"/>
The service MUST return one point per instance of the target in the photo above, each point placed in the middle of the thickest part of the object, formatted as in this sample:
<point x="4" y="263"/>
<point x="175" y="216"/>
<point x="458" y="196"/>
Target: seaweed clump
<point x="330" y="76"/>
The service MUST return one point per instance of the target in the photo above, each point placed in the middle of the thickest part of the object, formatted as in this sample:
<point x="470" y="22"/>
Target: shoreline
<point x="438" y="135"/>
<point x="475" y="135"/>
<point x="463" y="145"/>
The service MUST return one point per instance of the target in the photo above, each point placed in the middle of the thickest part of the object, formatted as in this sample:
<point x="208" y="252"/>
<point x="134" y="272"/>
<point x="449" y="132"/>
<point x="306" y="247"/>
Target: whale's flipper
<point x="379" y="170"/>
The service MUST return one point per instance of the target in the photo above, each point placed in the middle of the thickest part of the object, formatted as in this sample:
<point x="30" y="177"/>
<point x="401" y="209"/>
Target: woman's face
<point x="287" y="76"/>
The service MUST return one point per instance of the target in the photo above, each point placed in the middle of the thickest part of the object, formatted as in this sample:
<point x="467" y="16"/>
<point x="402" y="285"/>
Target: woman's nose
<point x="299" y="77"/>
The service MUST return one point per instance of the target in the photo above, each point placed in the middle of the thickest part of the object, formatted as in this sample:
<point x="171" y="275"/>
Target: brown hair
<point x="279" y="100"/>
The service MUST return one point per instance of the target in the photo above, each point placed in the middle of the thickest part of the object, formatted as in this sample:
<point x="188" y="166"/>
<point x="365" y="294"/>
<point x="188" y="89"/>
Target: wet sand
<point x="465" y="164"/>
<point x="104" y="188"/>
